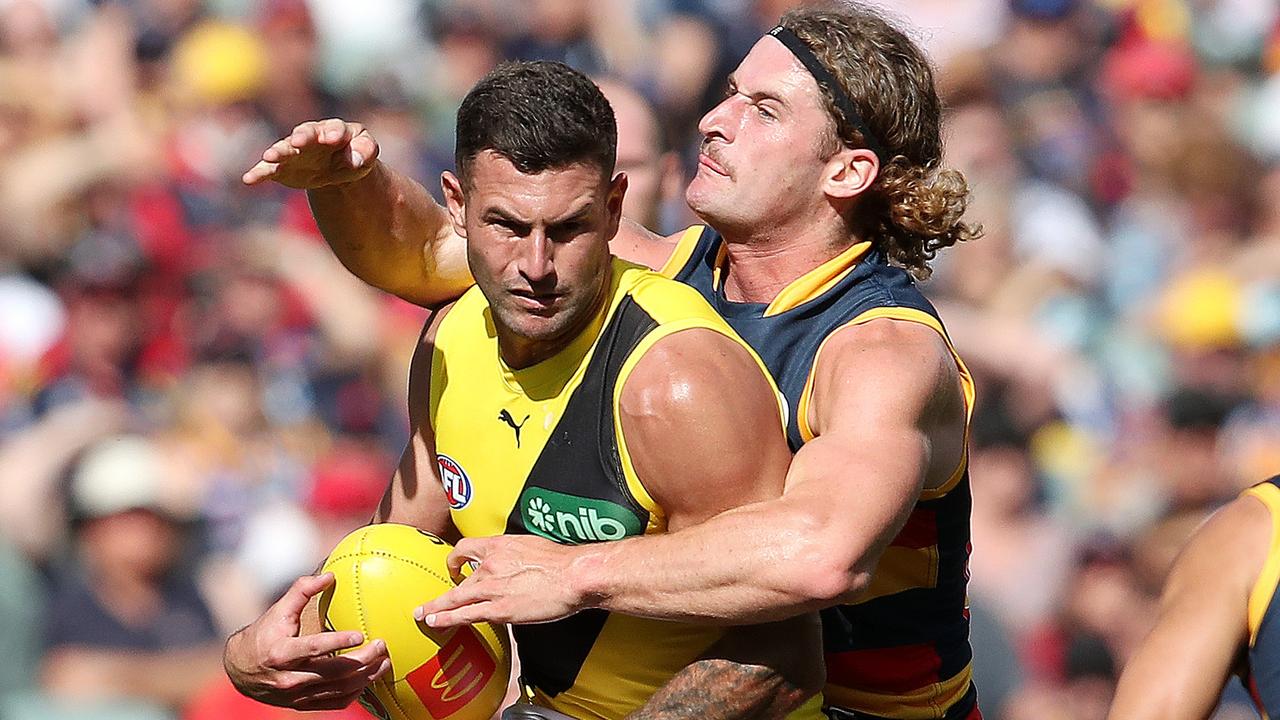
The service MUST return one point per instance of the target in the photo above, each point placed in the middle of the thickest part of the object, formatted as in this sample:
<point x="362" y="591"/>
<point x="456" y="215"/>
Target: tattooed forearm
<point x="761" y="671"/>
<point x="718" y="689"/>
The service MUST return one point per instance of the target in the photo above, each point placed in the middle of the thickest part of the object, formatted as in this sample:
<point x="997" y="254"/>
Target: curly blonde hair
<point x="915" y="207"/>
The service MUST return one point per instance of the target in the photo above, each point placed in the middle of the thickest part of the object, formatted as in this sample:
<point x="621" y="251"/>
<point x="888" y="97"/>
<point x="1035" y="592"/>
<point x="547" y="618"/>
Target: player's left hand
<point x="517" y="579"/>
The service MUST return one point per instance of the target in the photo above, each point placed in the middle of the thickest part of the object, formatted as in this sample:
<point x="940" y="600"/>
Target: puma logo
<point x="505" y="417"/>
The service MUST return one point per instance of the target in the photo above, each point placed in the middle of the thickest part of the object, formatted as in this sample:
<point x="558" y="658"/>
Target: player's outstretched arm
<point x="1181" y="667"/>
<point x="382" y="225"/>
<point x="887" y="398"/>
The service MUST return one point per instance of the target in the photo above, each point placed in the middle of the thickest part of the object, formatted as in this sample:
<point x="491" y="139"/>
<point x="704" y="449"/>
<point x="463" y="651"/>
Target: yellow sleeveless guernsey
<point x="540" y="451"/>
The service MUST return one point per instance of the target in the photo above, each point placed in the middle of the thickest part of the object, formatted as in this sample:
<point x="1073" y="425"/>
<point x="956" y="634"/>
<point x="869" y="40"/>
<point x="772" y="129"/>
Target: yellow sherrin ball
<point x="382" y="573"/>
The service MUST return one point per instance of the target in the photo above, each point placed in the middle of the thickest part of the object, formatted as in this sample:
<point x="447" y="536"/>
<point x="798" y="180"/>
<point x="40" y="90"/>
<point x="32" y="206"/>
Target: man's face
<point x="538" y="246"/>
<point x="760" y="157"/>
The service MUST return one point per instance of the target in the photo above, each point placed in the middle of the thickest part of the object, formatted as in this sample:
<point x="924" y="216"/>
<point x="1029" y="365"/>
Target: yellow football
<point x="382" y="573"/>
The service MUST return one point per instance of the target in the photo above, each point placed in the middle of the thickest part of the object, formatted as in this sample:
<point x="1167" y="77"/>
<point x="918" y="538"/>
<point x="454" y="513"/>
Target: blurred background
<point x="197" y="401"/>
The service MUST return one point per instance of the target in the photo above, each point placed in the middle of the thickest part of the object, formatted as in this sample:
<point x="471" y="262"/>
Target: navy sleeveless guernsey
<point x="901" y="650"/>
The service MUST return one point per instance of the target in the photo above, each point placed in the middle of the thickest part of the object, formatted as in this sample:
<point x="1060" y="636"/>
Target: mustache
<point x="712" y="150"/>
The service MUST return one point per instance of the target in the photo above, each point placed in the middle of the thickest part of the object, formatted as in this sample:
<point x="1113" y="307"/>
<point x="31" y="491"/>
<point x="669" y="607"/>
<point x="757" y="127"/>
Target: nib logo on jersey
<point x="573" y="519"/>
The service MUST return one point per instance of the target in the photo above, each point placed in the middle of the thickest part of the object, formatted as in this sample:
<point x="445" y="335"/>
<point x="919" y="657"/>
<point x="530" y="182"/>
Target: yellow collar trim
<point x="808" y="286"/>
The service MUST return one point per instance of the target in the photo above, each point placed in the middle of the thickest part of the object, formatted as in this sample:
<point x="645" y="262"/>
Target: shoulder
<point x="1231" y="546"/>
<point x="684" y="372"/>
<point x="667" y="300"/>
<point x="886" y="335"/>
<point x="636" y="243"/>
<point x="432" y="328"/>
<point x="424" y="352"/>
<point x="698" y="408"/>
<point x="886" y="358"/>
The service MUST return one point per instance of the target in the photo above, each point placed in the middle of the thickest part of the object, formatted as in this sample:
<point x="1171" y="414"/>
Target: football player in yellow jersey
<point x="546" y="400"/>
<point x="822" y="186"/>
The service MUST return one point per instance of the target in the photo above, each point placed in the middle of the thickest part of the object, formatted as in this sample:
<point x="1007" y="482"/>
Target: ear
<point x="613" y="205"/>
<point x="456" y="201"/>
<point x="849" y="173"/>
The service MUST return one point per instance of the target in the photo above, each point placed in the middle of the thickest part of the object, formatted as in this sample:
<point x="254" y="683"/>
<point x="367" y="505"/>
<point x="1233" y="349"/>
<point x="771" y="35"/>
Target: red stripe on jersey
<point x="1251" y="683"/>
<point x="885" y="670"/>
<point x="921" y="530"/>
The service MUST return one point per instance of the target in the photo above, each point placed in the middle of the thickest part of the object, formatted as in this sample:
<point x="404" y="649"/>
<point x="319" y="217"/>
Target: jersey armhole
<point x="685" y="246"/>
<point x="441" y="318"/>
<point x="1265" y="586"/>
<point x="658" y="519"/>
<point x="966" y="383"/>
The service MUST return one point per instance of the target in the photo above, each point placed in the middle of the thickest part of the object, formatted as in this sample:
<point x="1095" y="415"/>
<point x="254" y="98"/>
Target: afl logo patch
<point x="457" y="486"/>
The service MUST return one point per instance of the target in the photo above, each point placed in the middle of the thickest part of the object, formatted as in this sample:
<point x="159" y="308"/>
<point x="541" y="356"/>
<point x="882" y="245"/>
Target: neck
<point x="761" y="264"/>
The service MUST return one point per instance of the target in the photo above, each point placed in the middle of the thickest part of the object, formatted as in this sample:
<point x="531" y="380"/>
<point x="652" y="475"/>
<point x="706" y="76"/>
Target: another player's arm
<point x="886" y="395"/>
<point x="383" y="226"/>
<point x="1181" y="667"/>
<point x="702" y="425"/>
<point x="282" y="658"/>
<point x="887" y="398"/>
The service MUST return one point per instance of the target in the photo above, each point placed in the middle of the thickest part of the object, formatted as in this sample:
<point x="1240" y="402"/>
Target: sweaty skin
<point x="529" y="244"/>
<point x="1202" y="630"/>
<point x="847" y="492"/>
<point x="887" y="410"/>
<point x="764" y="670"/>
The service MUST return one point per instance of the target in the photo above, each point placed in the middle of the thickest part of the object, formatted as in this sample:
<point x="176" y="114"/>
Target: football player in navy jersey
<point x="1216" y="619"/>
<point x="824" y="199"/>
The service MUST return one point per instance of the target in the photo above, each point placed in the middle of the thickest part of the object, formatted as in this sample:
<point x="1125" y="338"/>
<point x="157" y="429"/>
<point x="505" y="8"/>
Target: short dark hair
<point x="540" y="115"/>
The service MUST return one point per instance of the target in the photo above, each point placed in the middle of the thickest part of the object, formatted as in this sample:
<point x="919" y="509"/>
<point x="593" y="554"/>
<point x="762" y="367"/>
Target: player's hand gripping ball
<point x="382" y="572"/>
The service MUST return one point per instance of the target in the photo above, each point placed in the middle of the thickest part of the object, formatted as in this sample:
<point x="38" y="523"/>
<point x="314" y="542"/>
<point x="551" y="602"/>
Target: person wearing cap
<point x="124" y="621"/>
<point x="821" y="185"/>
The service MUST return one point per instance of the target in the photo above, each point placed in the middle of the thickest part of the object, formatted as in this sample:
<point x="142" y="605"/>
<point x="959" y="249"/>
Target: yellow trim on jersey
<point x="683" y="251"/>
<point x="804" y="288"/>
<point x="817" y="281"/>
<point x="1265" y="587"/>
<point x="902" y="568"/>
<point x="927" y="703"/>
<point x="966" y="383"/>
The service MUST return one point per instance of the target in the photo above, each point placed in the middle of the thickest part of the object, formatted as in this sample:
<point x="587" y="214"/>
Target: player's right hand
<point x="271" y="663"/>
<point x="317" y="154"/>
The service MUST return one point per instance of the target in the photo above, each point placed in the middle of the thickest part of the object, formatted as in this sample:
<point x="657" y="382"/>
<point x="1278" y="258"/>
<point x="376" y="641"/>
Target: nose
<point x="536" y="262"/>
<point x="717" y="123"/>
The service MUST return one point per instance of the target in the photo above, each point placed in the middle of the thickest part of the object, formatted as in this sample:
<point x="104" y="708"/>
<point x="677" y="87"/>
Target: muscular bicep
<point x="878" y="394"/>
<point x="703" y="426"/>
<point x="415" y="495"/>
<point x="1181" y="667"/>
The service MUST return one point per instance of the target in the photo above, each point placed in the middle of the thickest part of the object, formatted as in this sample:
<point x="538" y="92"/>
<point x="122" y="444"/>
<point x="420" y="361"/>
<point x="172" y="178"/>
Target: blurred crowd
<point x="197" y="401"/>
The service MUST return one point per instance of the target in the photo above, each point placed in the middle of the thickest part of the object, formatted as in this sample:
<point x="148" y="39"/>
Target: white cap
<point x="121" y="473"/>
